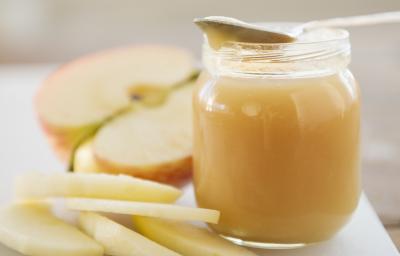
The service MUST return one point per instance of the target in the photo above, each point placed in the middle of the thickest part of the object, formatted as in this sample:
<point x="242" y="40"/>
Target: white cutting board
<point x="24" y="148"/>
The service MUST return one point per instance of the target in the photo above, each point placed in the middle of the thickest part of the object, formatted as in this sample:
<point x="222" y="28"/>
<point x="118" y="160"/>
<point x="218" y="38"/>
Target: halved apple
<point x="31" y="229"/>
<point x="121" y="187"/>
<point x="152" y="143"/>
<point x="186" y="238"/>
<point x="158" y="210"/>
<point x="83" y="95"/>
<point x="118" y="240"/>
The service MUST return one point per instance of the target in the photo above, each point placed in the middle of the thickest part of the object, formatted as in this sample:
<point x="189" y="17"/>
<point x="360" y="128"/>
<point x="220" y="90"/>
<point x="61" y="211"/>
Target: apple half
<point x="152" y="143"/>
<point x="131" y="107"/>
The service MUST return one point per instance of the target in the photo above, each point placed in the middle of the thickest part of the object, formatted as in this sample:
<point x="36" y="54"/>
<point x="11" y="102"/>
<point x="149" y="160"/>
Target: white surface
<point x="364" y="235"/>
<point x="24" y="148"/>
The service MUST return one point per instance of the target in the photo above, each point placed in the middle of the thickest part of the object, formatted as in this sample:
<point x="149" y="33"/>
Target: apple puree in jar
<point x="276" y="140"/>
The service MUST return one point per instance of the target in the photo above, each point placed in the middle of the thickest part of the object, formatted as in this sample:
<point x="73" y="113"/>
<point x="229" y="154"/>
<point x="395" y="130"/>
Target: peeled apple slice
<point x="158" y="210"/>
<point x="32" y="230"/>
<point x="121" y="187"/>
<point x="119" y="240"/>
<point x="187" y="239"/>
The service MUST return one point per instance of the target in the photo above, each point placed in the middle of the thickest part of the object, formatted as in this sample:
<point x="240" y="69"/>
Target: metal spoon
<point x="220" y="29"/>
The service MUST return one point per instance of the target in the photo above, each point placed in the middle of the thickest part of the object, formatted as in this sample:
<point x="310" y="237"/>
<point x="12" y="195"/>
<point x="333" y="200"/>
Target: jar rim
<point x="299" y="58"/>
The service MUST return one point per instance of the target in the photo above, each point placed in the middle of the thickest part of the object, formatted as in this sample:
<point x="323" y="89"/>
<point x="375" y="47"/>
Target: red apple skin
<point x="63" y="146"/>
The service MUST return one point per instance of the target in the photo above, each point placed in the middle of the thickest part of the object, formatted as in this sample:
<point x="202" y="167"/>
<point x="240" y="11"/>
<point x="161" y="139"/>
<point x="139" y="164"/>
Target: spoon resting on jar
<point x="220" y="29"/>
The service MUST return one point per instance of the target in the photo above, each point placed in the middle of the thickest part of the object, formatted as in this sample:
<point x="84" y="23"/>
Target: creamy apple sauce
<point x="278" y="155"/>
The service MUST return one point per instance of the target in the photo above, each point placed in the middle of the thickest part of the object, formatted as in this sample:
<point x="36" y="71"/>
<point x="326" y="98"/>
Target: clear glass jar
<point x="277" y="140"/>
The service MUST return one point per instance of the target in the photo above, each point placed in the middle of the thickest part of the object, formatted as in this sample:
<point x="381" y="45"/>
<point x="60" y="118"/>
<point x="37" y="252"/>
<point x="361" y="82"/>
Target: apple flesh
<point x="32" y="230"/>
<point x="187" y="239"/>
<point x="158" y="210"/>
<point x="118" y="240"/>
<point x="87" y="94"/>
<point x="105" y="186"/>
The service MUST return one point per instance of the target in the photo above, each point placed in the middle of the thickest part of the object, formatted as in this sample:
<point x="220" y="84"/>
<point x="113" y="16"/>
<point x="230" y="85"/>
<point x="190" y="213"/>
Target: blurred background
<point x="36" y="35"/>
<point x="57" y="30"/>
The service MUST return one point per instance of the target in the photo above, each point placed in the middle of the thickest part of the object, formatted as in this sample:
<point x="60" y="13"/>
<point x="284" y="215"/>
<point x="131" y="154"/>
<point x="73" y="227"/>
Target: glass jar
<point x="277" y="140"/>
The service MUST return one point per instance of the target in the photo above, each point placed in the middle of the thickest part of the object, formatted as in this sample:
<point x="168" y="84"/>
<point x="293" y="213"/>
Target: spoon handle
<point x="370" y="19"/>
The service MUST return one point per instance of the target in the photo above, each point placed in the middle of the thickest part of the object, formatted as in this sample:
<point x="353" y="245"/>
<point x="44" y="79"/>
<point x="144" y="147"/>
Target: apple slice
<point x="79" y="97"/>
<point x="158" y="210"/>
<point x="152" y="143"/>
<point x="31" y="229"/>
<point x="105" y="186"/>
<point x="118" y="240"/>
<point x="187" y="239"/>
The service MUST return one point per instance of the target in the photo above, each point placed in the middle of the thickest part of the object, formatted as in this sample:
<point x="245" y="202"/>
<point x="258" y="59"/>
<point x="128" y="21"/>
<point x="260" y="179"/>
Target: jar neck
<point x="299" y="59"/>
